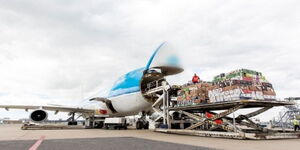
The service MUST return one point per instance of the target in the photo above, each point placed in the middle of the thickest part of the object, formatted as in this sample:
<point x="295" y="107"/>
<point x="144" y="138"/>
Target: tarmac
<point x="13" y="138"/>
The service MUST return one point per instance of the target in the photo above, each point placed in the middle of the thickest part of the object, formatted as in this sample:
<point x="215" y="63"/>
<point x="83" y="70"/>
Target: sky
<point x="61" y="52"/>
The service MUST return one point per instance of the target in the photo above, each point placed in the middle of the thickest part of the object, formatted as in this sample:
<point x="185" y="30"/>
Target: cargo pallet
<point x="194" y="121"/>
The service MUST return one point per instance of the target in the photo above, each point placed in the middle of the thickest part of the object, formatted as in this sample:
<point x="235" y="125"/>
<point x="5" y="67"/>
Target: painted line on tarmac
<point x="36" y="145"/>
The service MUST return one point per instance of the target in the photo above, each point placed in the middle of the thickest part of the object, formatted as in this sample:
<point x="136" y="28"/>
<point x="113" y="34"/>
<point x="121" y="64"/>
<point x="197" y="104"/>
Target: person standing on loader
<point x="296" y="124"/>
<point x="195" y="79"/>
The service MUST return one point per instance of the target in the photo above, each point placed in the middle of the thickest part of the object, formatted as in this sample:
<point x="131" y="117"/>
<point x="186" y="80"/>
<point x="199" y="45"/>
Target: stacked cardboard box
<point x="193" y="94"/>
<point x="237" y="85"/>
<point x="241" y="84"/>
<point x="238" y="92"/>
<point x="241" y="74"/>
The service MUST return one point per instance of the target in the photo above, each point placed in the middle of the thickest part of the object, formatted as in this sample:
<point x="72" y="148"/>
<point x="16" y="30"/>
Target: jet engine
<point x="38" y="115"/>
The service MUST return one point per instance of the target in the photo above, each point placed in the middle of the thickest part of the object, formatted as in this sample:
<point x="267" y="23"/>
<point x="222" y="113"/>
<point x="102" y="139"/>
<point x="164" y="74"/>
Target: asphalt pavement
<point x="12" y="137"/>
<point x="115" y="143"/>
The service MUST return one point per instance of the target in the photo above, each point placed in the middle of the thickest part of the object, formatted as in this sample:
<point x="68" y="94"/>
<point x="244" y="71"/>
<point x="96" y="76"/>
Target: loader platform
<point x="213" y="120"/>
<point x="230" y="104"/>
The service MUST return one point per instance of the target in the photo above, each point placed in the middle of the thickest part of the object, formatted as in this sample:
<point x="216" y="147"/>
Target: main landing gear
<point x="71" y="120"/>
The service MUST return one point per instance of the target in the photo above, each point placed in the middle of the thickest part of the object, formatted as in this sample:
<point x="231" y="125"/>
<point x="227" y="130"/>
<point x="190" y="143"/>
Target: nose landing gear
<point x="142" y="122"/>
<point x="142" y="125"/>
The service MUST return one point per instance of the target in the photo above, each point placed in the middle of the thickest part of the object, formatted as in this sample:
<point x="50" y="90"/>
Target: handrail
<point x="154" y="84"/>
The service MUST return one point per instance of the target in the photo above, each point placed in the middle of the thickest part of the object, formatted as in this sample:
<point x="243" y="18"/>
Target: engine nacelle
<point x="38" y="115"/>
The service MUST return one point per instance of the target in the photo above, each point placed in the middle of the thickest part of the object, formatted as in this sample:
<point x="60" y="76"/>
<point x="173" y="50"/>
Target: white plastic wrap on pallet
<point x="218" y="95"/>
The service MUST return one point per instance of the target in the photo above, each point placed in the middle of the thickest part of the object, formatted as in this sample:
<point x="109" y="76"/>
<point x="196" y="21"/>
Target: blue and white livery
<point x="125" y="97"/>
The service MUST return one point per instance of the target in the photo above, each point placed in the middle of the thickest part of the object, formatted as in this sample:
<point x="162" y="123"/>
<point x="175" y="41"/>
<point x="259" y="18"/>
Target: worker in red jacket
<point x="195" y="79"/>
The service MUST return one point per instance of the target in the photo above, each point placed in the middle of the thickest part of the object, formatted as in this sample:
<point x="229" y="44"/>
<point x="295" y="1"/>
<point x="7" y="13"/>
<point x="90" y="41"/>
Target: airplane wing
<point x="50" y="108"/>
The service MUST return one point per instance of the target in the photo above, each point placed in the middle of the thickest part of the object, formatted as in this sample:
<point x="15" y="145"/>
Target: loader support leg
<point x="217" y="116"/>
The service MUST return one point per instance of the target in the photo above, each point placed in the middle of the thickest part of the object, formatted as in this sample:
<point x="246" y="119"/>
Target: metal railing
<point x="154" y="84"/>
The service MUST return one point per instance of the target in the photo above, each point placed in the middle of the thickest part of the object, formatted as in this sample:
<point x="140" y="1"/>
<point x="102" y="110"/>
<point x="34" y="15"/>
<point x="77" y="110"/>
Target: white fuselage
<point x="130" y="104"/>
<point x="125" y="105"/>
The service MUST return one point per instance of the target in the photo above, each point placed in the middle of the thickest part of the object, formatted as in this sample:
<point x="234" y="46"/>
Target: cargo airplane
<point x="126" y="97"/>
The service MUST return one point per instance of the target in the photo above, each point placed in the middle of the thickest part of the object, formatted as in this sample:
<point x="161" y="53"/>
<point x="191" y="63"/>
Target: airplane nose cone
<point x="166" y="59"/>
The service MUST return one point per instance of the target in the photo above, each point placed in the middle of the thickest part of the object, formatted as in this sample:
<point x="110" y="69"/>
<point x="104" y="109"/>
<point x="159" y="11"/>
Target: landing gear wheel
<point x="72" y="123"/>
<point x="139" y="125"/>
<point x="146" y="125"/>
<point x="99" y="125"/>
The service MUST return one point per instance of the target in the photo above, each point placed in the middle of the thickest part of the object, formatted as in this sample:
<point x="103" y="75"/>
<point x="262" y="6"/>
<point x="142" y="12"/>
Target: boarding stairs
<point x="159" y="89"/>
<point x="288" y="113"/>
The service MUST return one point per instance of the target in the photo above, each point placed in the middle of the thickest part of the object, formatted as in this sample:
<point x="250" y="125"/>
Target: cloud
<point x="62" y="51"/>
